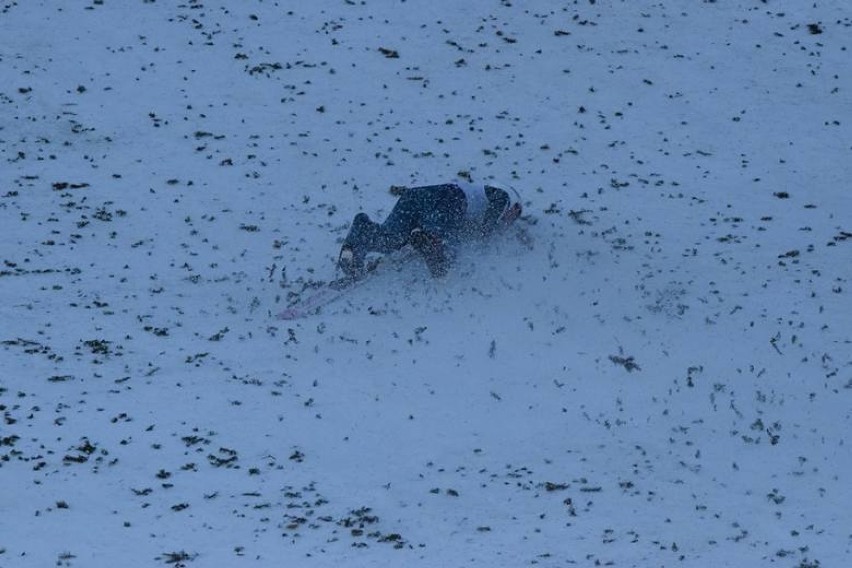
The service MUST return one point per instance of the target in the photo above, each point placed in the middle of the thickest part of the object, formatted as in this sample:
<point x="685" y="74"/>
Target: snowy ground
<point x="665" y="379"/>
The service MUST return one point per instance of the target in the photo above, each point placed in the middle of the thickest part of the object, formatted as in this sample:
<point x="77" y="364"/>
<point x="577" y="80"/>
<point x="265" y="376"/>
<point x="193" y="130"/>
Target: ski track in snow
<point x="663" y="379"/>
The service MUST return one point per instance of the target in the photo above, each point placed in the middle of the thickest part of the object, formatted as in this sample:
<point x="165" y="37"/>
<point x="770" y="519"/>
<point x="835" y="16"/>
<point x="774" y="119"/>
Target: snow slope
<point x="664" y="379"/>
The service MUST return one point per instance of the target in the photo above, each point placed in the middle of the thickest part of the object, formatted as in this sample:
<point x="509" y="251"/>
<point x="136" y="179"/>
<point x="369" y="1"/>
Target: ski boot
<point x="362" y="232"/>
<point x="350" y="262"/>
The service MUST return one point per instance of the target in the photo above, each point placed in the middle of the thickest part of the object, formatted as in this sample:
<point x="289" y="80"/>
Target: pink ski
<point x="334" y="289"/>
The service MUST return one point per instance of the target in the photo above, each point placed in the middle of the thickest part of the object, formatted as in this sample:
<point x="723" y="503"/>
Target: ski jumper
<point x="449" y="213"/>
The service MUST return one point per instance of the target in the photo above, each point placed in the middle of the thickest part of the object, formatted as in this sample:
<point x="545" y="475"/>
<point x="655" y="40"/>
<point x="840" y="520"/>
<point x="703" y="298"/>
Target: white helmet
<point x="512" y="208"/>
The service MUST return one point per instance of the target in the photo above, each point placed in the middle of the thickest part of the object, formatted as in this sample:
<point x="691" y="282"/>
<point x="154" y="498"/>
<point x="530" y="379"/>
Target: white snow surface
<point x="663" y="379"/>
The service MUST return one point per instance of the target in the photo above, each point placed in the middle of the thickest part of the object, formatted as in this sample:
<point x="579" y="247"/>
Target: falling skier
<point x="434" y="220"/>
<point x="430" y="220"/>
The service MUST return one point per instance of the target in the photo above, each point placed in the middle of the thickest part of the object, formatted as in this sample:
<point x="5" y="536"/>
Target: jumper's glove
<point x="432" y="248"/>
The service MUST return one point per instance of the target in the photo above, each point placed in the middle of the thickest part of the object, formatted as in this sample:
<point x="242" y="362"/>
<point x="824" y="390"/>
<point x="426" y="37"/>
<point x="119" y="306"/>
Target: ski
<point x="335" y="289"/>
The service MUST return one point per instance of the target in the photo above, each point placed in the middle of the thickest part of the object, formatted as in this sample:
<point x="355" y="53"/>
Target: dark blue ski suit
<point x="448" y="213"/>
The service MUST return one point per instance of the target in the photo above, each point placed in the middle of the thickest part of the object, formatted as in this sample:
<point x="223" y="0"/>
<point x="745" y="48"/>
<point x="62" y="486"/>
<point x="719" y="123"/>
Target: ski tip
<point x="289" y="314"/>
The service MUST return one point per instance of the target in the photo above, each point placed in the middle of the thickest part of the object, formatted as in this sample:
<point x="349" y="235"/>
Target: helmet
<point x="511" y="204"/>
